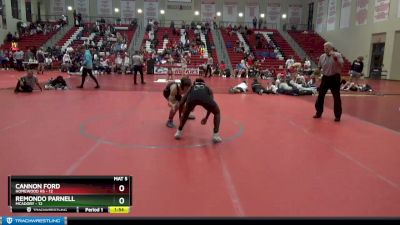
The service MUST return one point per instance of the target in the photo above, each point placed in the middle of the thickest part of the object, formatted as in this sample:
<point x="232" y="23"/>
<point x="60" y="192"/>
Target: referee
<point x="137" y="62"/>
<point x="331" y="63"/>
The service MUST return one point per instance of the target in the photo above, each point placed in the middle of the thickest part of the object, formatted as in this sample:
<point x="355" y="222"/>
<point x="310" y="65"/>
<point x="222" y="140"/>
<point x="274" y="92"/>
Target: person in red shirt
<point x="222" y="68"/>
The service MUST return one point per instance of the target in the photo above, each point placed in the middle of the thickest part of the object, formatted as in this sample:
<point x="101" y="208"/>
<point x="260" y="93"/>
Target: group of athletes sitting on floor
<point x="299" y="80"/>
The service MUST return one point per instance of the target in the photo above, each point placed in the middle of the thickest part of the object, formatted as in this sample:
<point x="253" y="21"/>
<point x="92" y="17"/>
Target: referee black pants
<point x="85" y="72"/>
<point x="137" y="69"/>
<point x="332" y="83"/>
<point x="208" y="69"/>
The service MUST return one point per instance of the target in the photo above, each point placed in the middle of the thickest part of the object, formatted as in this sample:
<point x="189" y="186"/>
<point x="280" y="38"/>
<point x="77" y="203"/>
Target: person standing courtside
<point x="88" y="67"/>
<point x="210" y="63"/>
<point x="137" y="62"/>
<point x="331" y="63"/>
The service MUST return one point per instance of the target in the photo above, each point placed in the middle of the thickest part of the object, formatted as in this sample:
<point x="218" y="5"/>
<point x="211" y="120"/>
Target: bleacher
<point x="284" y="46"/>
<point x="313" y="44"/>
<point x="196" y="60"/>
<point x="230" y="42"/>
<point x="274" y="58"/>
<point x="212" y="52"/>
<point x="67" y="36"/>
<point x="123" y="29"/>
<point x="34" y="41"/>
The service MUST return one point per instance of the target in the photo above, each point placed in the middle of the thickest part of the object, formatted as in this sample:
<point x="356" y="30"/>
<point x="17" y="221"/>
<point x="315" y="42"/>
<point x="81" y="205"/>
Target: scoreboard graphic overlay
<point x="70" y="194"/>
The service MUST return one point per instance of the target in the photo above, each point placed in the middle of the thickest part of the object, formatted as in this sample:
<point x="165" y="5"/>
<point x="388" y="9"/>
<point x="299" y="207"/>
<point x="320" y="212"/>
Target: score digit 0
<point x="121" y="201"/>
<point x="121" y="188"/>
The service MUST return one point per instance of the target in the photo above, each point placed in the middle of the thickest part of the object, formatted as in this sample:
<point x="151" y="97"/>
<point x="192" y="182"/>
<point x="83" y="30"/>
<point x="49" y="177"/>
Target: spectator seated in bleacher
<point x="256" y="69"/>
<point x="241" y="69"/>
<point x="63" y="20"/>
<point x="9" y="37"/>
<point x="133" y="23"/>
<point x="4" y="60"/>
<point x="165" y="36"/>
<point x="104" y="66"/>
<point x="222" y="69"/>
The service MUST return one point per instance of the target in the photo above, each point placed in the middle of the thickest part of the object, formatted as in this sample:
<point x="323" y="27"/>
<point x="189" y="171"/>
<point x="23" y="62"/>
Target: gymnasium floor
<point x="275" y="160"/>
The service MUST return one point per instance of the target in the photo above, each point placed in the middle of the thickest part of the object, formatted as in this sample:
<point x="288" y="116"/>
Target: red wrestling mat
<point x="275" y="160"/>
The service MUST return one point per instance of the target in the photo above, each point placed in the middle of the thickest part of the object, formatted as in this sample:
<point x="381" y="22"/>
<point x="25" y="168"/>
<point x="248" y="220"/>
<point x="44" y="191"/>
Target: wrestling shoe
<point x="178" y="134"/>
<point x="170" y="124"/>
<point x="216" y="138"/>
<point x="191" y="117"/>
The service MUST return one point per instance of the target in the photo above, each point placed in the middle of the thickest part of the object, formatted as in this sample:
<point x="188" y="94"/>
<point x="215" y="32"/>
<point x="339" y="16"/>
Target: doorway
<point x="310" y="16"/>
<point x="28" y="9"/>
<point x="377" y="54"/>
<point x="38" y="14"/>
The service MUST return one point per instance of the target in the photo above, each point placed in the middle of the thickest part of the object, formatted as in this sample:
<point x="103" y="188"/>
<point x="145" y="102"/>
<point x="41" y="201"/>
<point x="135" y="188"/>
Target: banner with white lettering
<point x="82" y="7"/>
<point x="295" y="13"/>
<point x="321" y="15"/>
<point x="398" y="9"/>
<point x="273" y="13"/>
<point x="150" y="10"/>
<point x="57" y="7"/>
<point x="159" y="70"/>
<point x="251" y="10"/>
<point x="230" y="12"/>
<point x="207" y="10"/>
<point x="381" y="12"/>
<point x="331" y="21"/>
<point x="104" y="8"/>
<point x="128" y="9"/>
<point x="345" y="13"/>
<point x="362" y="12"/>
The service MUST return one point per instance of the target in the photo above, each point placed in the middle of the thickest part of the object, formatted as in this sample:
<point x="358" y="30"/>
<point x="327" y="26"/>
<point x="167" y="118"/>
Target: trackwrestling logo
<point x="34" y="220"/>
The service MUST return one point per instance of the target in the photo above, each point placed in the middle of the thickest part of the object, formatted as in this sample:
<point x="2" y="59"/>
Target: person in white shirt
<point x="48" y="62"/>
<point x="210" y="63"/>
<point x="289" y="63"/>
<point x="240" y="88"/>
<point x="104" y="67"/>
<point x="87" y="42"/>
<point x="118" y="63"/>
<point x="307" y="66"/>
<point x="183" y="62"/>
<point x="66" y="62"/>
<point x="64" y="19"/>
<point x="100" y="43"/>
<point x="123" y="47"/>
<point x="127" y="63"/>
<point x="151" y="22"/>
<point x="151" y="35"/>
<point x="70" y="49"/>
